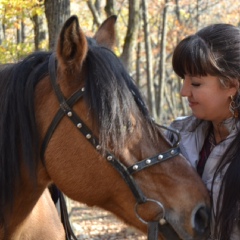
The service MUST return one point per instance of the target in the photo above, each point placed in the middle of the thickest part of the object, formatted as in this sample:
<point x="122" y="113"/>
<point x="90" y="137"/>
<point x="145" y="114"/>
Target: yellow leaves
<point x="178" y="95"/>
<point x="12" y="52"/>
<point x="17" y="25"/>
<point x="37" y="11"/>
<point x="184" y="14"/>
<point x="44" y="44"/>
<point x="14" y="13"/>
<point x="19" y="3"/>
<point x="17" y="8"/>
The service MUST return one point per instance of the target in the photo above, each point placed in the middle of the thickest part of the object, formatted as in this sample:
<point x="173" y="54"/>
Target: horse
<point x="75" y="118"/>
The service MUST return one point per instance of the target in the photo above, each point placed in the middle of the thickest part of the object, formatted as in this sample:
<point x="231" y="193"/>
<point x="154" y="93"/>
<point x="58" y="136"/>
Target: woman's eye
<point x="196" y="84"/>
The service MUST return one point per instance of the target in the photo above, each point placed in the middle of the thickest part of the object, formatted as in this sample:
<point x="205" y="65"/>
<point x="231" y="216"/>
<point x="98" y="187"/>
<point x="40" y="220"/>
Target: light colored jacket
<point x="193" y="134"/>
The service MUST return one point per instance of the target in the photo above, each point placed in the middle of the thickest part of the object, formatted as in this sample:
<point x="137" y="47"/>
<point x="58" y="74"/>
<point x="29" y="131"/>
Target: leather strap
<point x="152" y="230"/>
<point x="154" y="160"/>
<point x="168" y="232"/>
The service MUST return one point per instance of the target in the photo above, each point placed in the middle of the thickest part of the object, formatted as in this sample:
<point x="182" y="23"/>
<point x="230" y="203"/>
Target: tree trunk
<point x="138" y="61"/>
<point x="148" y="50"/>
<point x="20" y="30"/>
<point x="131" y="35"/>
<point x="96" y="16"/>
<point x="110" y="7"/>
<point x="23" y="30"/>
<point x="1" y="32"/>
<point x="162" y="62"/>
<point x="57" y="12"/>
<point x="36" y="31"/>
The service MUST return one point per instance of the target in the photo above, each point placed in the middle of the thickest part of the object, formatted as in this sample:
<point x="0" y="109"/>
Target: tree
<point x="162" y="62"/>
<point x="96" y="12"/>
<point x="37" y="19"/>
<point x="110" y="7"/>
<point x="149" y="59"/>
<point x="57" y="12"/>
<point x="131" y="35"/>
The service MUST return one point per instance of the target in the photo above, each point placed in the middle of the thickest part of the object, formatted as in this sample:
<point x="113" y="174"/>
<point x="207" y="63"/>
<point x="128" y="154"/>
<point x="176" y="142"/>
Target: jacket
<point x="193" y="133"/>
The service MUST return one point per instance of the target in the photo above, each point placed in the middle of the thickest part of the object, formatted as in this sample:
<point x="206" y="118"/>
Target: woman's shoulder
<point x="186" y="123"/>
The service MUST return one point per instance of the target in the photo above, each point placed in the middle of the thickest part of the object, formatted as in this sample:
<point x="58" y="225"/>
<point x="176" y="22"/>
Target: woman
<point x="209" y="64"/>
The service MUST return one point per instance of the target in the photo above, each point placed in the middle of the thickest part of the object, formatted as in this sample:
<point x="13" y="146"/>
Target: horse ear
<point x="106" y="34"/>
<point x="72" y="45"/>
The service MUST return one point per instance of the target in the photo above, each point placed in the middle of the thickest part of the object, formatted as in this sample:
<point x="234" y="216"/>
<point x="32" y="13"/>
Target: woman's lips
<point x="192" y="104"/>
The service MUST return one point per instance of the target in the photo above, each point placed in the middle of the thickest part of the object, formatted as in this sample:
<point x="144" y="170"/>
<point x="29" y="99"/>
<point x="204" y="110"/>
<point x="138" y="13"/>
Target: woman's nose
<point x="186" y="88"/>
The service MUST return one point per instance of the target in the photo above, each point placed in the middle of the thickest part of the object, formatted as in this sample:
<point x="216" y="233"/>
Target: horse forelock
<point x="18" y="131"/>
<point x="112" y="96"/>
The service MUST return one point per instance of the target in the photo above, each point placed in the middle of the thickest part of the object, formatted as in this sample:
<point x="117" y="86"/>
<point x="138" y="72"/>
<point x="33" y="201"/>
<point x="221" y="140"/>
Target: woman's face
<point x="207" y="98"/>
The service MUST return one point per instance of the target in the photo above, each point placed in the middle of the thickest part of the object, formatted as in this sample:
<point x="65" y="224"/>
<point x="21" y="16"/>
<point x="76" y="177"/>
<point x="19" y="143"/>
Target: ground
<point x="95" y="224"/>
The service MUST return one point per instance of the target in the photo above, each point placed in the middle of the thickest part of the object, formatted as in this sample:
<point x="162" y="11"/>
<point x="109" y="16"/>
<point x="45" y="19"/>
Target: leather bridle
<point x="126" y="172"/>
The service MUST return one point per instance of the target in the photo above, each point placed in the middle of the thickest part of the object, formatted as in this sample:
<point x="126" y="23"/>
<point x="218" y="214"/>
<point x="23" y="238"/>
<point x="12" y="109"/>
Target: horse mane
<point x="112" y="96"/>
<point x="18" y="131"/>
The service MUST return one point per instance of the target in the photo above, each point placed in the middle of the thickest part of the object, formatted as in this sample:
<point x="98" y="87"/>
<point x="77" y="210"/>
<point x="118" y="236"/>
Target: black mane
<point x="110" y="93"/>
<point x="18" y="132"/>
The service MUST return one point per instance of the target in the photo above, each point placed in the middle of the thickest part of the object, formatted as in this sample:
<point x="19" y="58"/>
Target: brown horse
<point x="48" y="105"/>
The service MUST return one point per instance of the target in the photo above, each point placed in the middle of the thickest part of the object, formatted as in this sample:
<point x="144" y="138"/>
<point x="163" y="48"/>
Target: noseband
<point x="126" y="172"/>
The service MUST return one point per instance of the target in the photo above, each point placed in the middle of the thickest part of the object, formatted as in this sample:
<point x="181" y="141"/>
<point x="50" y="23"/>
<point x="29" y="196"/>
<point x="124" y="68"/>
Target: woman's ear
<point x="234" y="87"/>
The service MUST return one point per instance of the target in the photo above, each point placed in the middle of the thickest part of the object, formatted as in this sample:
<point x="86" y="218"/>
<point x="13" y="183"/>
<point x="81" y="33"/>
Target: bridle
<point x="126" y="172"/>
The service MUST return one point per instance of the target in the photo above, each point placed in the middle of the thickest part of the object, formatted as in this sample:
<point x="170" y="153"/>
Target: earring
<point x="233" y="108"/>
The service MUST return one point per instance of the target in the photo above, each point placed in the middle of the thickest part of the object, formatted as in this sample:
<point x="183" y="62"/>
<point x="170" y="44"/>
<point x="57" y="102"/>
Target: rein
<point x="126" y="172"/>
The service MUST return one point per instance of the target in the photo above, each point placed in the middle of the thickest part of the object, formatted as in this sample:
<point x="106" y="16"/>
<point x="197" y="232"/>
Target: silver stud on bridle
<point x="69" y="114"/>
<point x="98" y="147"/>
<point x="148" y="161"/>
<point x="135" y="167"/>
<point x="88" y="136"/>
<point x="162" y="221"/>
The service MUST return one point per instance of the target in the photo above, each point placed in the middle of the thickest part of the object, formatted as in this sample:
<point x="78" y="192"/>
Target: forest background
<point x="148" y="31"/>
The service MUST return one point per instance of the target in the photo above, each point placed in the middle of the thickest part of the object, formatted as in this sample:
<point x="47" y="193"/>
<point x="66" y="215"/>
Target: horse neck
<point x="42" y="222"/>
<point x="26" y="198"/>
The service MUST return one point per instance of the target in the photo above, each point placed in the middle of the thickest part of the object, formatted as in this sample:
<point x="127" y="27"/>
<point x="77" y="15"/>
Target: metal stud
<point x="83" y="89"/>
<point x="109" y="158"/>
<point x="88" y="136"/>
<point x="148" y="161"/>
<point x="79" y="125"/>
<point x="135" y="167"/>
<point x="162" y="221"/>
<point x="172" y="151"/>
<point x="160" y="157"/>
<point x="98" y="147"/>
<point x="69" y="113"/>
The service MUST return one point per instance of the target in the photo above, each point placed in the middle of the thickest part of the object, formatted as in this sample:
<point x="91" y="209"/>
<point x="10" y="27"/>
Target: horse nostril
<point x="201" y="220"/>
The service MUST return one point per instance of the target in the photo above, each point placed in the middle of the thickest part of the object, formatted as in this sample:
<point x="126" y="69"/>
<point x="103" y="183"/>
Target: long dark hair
<point x="215" y="50"/>
<point x="18" y="131"/>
